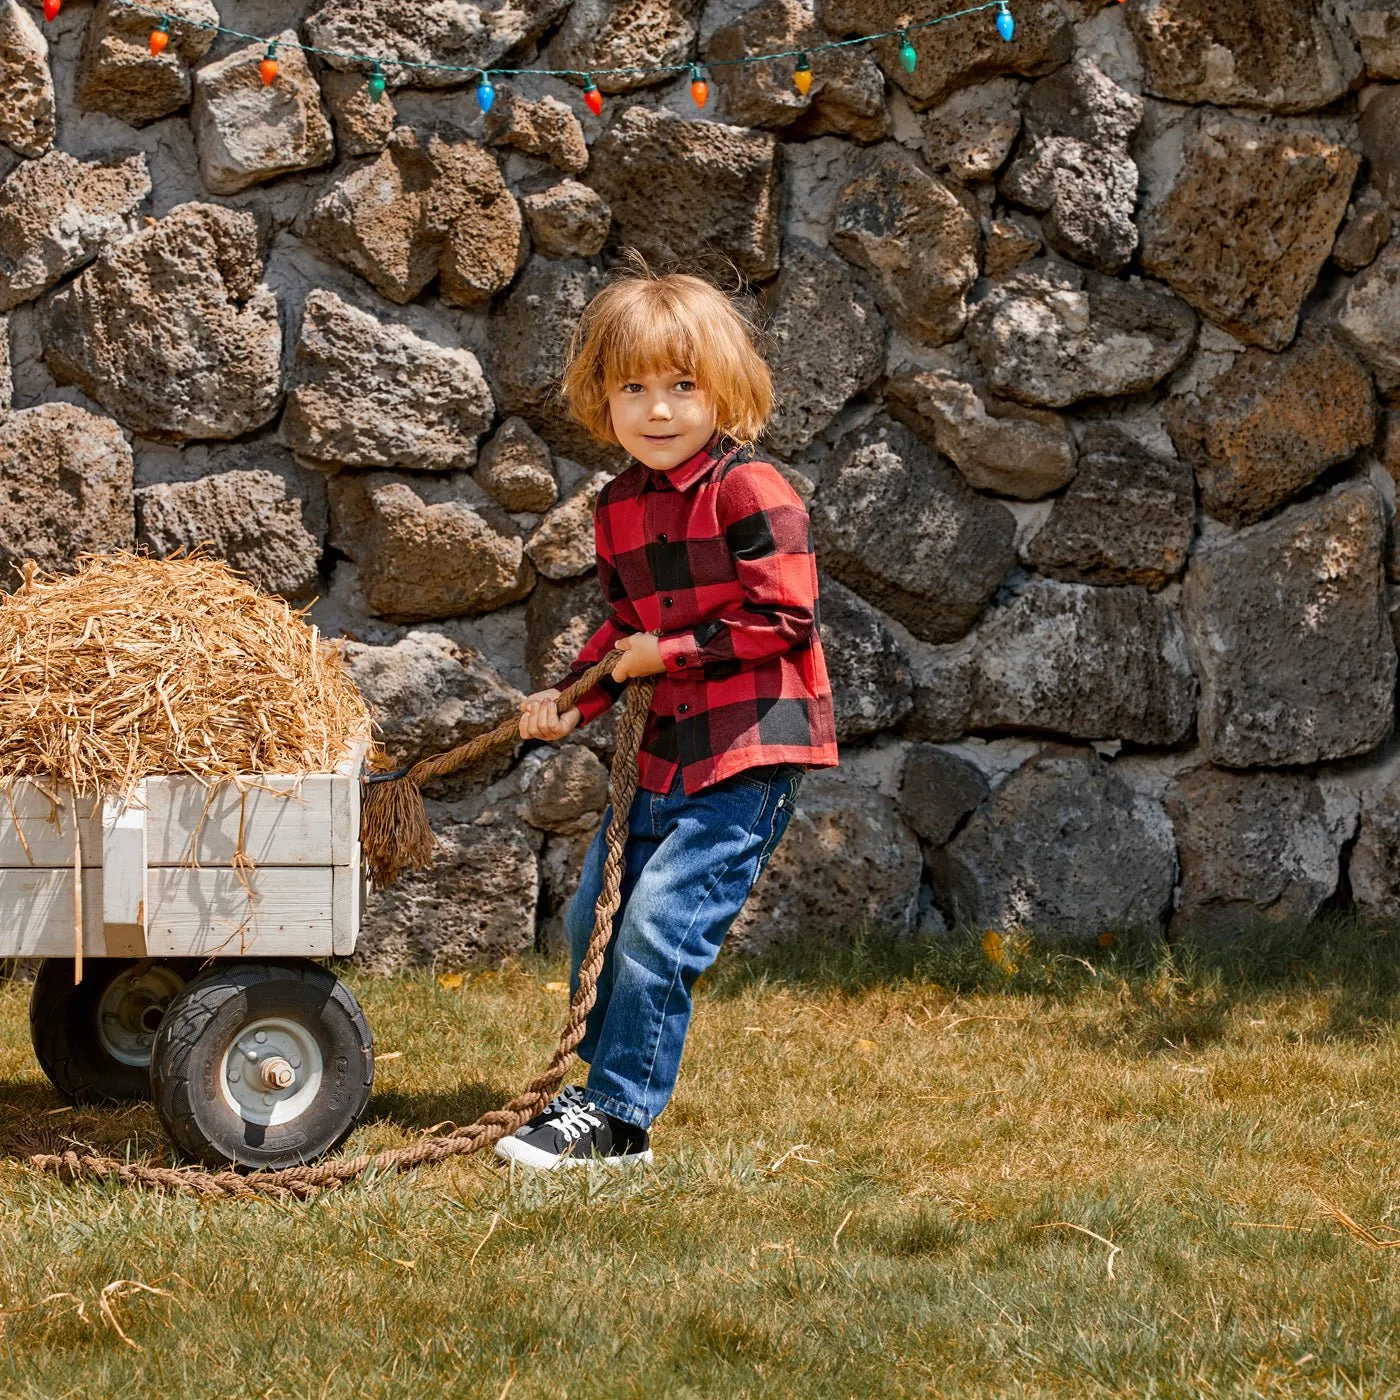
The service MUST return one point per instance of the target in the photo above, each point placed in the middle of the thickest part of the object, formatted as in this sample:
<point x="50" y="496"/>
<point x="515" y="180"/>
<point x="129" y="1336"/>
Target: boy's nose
<point x="661" y="409"/>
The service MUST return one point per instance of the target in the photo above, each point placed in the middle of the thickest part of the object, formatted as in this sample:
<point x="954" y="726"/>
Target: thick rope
<point x="306" y="1180"/>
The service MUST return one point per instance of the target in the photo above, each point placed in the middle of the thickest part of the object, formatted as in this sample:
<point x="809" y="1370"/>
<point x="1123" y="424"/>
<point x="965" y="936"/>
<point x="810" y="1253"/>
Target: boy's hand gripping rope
<point x="394" y="837"/>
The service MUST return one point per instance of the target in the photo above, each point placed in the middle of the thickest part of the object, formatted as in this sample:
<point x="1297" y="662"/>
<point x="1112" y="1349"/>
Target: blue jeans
<point x="691" y="862"/>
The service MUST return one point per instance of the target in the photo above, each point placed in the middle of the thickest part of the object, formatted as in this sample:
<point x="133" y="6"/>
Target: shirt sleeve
<point x="622" y="620"/>
<point x="769" y="535"/>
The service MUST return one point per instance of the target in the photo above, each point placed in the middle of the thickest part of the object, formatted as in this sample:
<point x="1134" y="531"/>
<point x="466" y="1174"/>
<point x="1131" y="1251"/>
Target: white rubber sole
<point x="514" y="1149"/>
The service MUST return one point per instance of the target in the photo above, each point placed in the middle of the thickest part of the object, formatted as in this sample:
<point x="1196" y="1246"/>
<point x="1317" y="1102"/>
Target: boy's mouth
<point x="660" y="437"/>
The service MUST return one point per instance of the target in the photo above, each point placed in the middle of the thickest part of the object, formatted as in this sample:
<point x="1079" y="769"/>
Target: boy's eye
<point x="685" y="385"/>
<point x="631" y="388"/>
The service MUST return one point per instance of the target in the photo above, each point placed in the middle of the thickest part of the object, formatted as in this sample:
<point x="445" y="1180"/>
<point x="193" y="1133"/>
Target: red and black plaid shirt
<point x="715" y="557"/>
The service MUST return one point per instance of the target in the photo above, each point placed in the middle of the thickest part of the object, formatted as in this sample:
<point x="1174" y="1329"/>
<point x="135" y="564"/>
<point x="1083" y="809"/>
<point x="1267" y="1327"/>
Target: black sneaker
<point x="579" y="1134"/>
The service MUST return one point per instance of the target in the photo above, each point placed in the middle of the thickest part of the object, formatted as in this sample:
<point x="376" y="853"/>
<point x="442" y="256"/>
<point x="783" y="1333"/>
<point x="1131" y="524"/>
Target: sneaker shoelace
<point x="577" y="1120"/>
<point x="570" y="1096"/>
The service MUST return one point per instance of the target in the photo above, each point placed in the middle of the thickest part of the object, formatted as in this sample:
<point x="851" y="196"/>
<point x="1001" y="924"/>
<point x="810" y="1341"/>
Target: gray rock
<point x="656" y="169"/>
<point x="956" y="55"/>
<point x="599" y="35"/>
<point x="559" y="619"/>
<point x="902" y="529"/>
<point x="1272" y="424"/>
<point x="1128" y="516"/>
<point x="1374" y="870"/>
<point x="943" y="683"/>
<point x="869" y="671"/>
<point x="561" y="545"/>
<point x="1076" y="168"/>
<point x="1380" y="141"/>
<point x="1369" y="319"/>
<point x="1365" y="233"/>
<point x="547" y="128"/>
<point x="847" y="95"/>
<point x="362" y="125"/>
<point x="997" y="445"/>
<point x="1252" y="846"/>
<point x="1243" y="218"/>
<point x="427" y="547"/>
<point x="55" y="214"/>
<point x="247" y="133"/>
<point x="475" y="906"/>
<point x="26" y="101"/>
<point x="367" y="393"/>
<point x="1281" y="55"/>
<point x="65" y="488"/>
<point x="561" y="866"/>
<point x="118" y="74"/>
<point x="1050" y="335"/>
<point x="817" y="301"/>
<point x="434" y="204"/>
<point x="461" y="35"/>
<point x="170" y="330"/>
<point x="514" y="468"/>
<point x="1376" y="25"/>
<point x="1290" y="637"/>
<point x="429" y="695"/>
<point x="1085" y="662"/>
<point x="846" y="862"/>
<point x="938" y="790"/>
<point x="528" y="343"/>
<point x="270" y="526"/>
<point x="971" y="134"/>
<point x="914" y="238"/>
<point x="567" y="220"/>
<point x="567" y="792"/>
<point x="1019" y="863"/>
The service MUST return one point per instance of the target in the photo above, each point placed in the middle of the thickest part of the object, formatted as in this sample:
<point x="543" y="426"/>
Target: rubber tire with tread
<point x="63" y="1029"/>
<point x="206" y="1018"/>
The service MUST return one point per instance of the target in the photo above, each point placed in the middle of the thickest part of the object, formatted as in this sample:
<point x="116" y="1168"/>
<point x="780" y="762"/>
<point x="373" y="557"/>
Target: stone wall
<point x="1088" y="348"/>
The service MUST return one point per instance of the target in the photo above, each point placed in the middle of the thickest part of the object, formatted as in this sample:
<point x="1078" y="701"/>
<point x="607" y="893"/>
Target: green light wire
<point x="573" y="72"/>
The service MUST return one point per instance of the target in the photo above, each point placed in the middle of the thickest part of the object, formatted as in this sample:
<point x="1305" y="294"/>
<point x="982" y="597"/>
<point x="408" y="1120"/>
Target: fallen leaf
<point x="556" y="986"/>
<point x="450" y="981"/>
<point x="997" y="951"/>
<point x="1107" y="940"/>
<point x="866" y="1047"/>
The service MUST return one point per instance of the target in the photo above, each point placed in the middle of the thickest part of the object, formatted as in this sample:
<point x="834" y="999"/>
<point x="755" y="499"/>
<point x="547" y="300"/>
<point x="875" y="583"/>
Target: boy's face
<point x="661" y="419"/>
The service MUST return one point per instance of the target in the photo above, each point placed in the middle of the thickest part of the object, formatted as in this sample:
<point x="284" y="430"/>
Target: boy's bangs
<point x="649" y="340"/>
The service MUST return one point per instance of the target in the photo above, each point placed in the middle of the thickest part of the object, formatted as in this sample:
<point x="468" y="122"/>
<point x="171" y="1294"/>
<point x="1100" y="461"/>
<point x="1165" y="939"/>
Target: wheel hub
<point x="272" y="1071"/>
<point x="130" y="1011"/>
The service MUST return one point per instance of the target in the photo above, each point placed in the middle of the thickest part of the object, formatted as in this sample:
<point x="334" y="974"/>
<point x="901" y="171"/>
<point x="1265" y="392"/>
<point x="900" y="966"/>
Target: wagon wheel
<point x="94" y="1040"/>
<point x="263" y="1064"/>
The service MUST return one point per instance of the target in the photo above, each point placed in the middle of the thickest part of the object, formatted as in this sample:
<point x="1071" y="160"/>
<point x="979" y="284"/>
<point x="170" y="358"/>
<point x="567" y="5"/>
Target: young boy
<point x="705" y="559"/>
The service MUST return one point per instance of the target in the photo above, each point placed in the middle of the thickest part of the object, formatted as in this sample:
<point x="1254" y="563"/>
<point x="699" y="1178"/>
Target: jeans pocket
<point x="783" y="809"/>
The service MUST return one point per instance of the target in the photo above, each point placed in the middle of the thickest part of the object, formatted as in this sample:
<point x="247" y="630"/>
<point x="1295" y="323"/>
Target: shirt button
<point x="663" y="537"/>
<point x="680" y="661"/>
<point x="666" y="602"/>
<point x="682" y="708"/>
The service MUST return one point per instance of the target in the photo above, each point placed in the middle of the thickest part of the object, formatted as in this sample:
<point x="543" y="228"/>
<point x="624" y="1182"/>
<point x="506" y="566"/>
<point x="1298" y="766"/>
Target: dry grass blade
<point x="1114" y="1250"/>
<point x="132" y="666"/>
<point x="1356" y="1229"/>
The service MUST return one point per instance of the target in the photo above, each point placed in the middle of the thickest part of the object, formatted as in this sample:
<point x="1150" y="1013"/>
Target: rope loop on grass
<point x="399" y="853"/>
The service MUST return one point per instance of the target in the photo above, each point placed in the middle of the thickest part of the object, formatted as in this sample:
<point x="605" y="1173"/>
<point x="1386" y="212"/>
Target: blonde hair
<point x="643" y="323"/>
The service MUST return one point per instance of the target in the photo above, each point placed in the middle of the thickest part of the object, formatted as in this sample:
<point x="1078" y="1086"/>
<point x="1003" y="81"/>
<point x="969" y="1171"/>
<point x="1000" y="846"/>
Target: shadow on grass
<point x="1191" y="980"/>
<point x="413" y="1112"/>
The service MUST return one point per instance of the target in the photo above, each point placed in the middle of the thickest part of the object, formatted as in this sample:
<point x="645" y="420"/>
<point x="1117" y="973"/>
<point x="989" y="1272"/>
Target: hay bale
<point x="132" y="666"/>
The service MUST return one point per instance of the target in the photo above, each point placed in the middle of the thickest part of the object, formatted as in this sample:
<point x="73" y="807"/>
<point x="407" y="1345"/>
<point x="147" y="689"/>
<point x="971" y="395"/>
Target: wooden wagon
<point x="177" y="932"/>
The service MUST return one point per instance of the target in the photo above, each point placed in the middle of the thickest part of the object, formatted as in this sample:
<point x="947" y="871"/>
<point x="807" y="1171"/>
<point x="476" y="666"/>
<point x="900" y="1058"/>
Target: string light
<point x="51" y="9"/>
<point x="377" y="82"/>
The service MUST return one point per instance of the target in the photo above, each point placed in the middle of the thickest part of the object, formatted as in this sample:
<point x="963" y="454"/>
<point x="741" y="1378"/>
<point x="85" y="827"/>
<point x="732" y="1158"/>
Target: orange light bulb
<point x="159" y="39"/>
<point x="268" y="69"/>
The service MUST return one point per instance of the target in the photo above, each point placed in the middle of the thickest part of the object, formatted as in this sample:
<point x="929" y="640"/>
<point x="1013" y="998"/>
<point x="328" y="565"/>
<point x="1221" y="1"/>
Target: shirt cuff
<point x="679" y="654"/>
<point x="591" y="704"/>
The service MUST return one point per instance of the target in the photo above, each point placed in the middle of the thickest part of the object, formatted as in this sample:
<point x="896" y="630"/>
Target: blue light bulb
<point x="1006" y="23"/>
<point x="485" y="93"/>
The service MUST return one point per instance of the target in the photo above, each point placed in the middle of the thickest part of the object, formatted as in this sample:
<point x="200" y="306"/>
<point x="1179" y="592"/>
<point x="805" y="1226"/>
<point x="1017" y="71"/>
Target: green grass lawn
<point x="889" y="1170"/>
